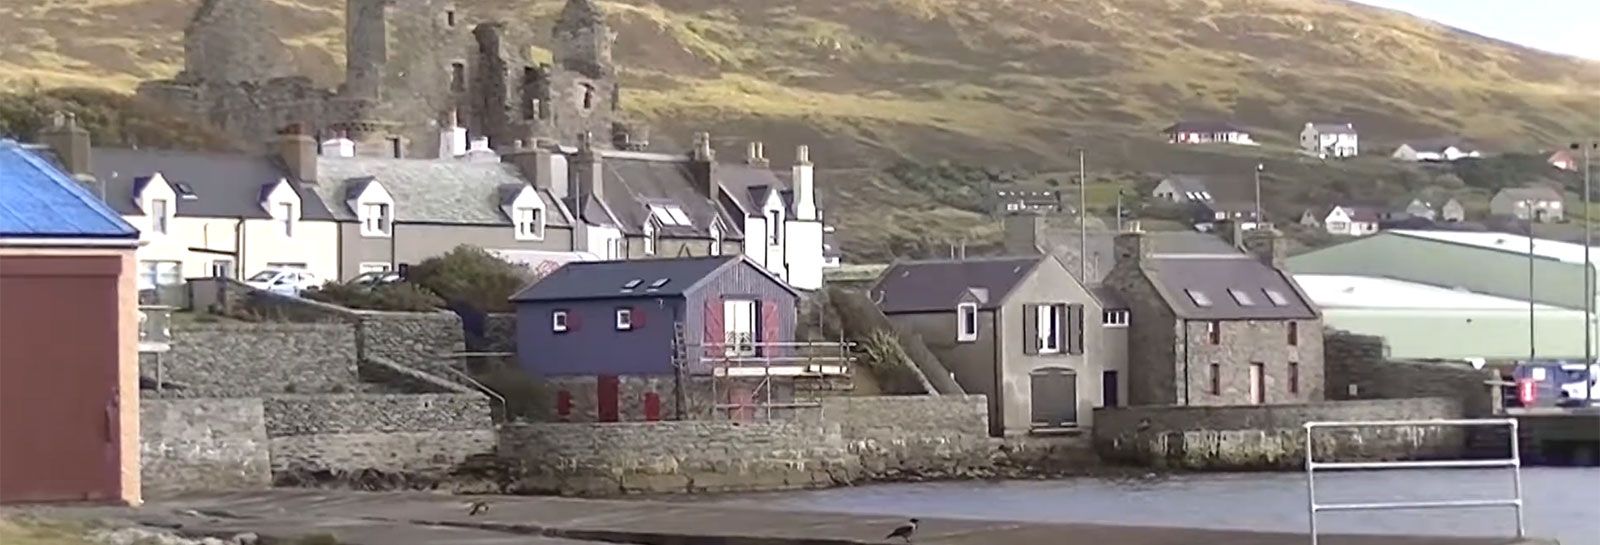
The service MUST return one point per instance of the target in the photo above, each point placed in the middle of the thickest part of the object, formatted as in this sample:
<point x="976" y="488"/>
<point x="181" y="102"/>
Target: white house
<point x="1181" y="188"/>
<point x="1208" y="132"/>
<point x="1325" y="140"/>
<point x="1351" y="221"/>
<point x="1436" y="150"/>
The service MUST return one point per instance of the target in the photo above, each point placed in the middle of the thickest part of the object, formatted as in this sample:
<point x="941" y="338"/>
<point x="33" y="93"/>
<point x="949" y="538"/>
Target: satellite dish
<point x="1477" y="363"/>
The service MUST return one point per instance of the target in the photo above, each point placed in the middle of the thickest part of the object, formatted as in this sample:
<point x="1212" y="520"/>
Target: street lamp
<point x="1588" y="277"/>
<point x="1259" y="167"/>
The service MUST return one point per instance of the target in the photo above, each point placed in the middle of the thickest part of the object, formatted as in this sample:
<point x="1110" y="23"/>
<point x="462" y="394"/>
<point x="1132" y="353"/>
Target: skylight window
<point x="669" y="214"/>
<point x="658" y="283"/>
<point x="1199" y="297"/>
<point x="1241" y="297"/>
<point x="185" y="191"/>
<point x="1278" y="300"/>
<point x="632" y="284"/>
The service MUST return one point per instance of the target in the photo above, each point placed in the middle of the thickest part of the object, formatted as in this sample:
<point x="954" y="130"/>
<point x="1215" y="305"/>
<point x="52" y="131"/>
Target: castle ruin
<point x="413" y="68"/>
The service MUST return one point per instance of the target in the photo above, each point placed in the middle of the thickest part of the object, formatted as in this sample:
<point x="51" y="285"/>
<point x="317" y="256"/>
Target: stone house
<point x="1353" y="220"/>
<point x="634" y="331"/>
<point x="1207" y="132"/>
<point x="1020" y="330"/>
<point x="1542" y="204"/>
<point x="1217" y="329"/>
<point x="69" y="334"/>
<point x="1338" y="140"/>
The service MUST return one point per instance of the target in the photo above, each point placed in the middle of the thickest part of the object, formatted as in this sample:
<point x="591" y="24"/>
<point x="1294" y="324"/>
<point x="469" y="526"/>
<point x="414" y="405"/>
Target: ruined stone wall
<point x="1272" y="437"/>
<point x="1358" y="368"/>
<point x="205" y="444"/>
<point x="253" y="359"/>
<point x="346" y="434"/>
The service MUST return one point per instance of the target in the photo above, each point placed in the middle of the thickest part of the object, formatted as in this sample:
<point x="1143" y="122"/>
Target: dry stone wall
<point x="190" y="445"/>
<point x="344" y="434"/>
<point x="1359" y="369"/>
<point x="252" y="359"/>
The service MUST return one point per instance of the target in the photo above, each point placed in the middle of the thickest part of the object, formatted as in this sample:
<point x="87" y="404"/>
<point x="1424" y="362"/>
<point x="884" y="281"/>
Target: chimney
<point x="71" y="143"/>
<point x="1022" y="234"/>
<point x="757" y="155"/>
<point x="589" y="175"/>
<point x="452" y="139"/>
<point x="1132" y="248"/>
<point x="703" y="165"/>
<point x="339" y="146"/>
<point x="299" y="152"/>
<point x="1231" y="232"/>
<point x="805" y="185"/>
<point x="1267" y="246"/>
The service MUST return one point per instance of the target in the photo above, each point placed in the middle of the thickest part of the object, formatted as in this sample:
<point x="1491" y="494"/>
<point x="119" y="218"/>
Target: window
<point x="1277" y="298"/>
<point x="659" y="282"/>
<point x="1241" y="297"/>
<point x="739" y="326"/>
<point x="967" y="322"/>
<point x="372" y="267"/>
<point x="159" y="273"/>
<point x="774" y="219"/>
<point x="450" y="17"/>
<point x="716" y="239"/>
<point x="158" y="216"/>
<point x="649" y="239"/>
<point x="1214" y="332"/>
<point x="1199" y="297"/>
<point x="1258" y="383"/>
<point x="669" y="214"/>
<point x="395" y="147"/>
<point x="558" y="321"/>
<point x="222" y="268"/>
<point x="1114" y="318"/>
<point x="624" y="319"/>
<point x="588" y="96"/>
<point x="1110" y="390"/>
<point x="286" y="210"/>
<point x="1294" y="377"/>
<point x="632" y="284"/>
<point x="1294" y="333"/>
<point x="375" y="220"/>
<point x="1048" y="329"/>
<point x="530" y="224"/>
<point x="458" y="77"/>
<point x="1216" y="379"/>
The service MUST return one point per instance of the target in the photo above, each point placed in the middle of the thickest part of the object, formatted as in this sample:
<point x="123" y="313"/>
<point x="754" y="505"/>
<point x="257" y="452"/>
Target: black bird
<point x="904" y="531"/>
<point x="478" y="508"/>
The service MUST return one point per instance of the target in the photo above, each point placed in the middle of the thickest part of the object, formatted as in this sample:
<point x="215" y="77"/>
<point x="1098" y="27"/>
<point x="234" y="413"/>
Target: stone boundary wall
<point x="1358" y="369"/>
<point x="1272" y="436"/>
<point x="203" y="444"/>
<point x="377" y="370"/>
<point x="929" y="435"/>
<point x="662" y="457"/>
<point x="252" y="359"/>
<point x="350" y="434"/>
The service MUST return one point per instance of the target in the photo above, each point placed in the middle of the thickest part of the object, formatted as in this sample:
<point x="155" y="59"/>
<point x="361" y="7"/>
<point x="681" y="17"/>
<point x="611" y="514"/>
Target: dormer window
<point x="774" y="219"/>
<point x="966" y="322"/>
<point x="716" y="239"/>
<point x="649" y="239"/>
<point x="158" y="215"/>
<point x="286" y="215"/>
<point x="530" y="223"/>
<point x="376" y="220"/>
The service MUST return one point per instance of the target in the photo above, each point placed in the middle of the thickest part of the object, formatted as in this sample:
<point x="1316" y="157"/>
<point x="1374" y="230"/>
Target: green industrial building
<point x="1453" y="295"/>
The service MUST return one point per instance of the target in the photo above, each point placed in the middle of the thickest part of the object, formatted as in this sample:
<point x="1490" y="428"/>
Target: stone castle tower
<point x="412" y="69"/>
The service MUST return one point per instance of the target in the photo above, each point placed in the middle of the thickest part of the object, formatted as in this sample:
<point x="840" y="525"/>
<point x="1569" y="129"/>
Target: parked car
<point x="376" y="278"/>
<point x="1554" y="384"/>
<point x="284" y="281"/>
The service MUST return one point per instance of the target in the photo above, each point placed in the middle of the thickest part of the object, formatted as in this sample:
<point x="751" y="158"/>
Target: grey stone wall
<point x="252" y="359"/>
<point x="413" y="339"/>
<point x="1272" y="437"/>
<point x="207" y="444"/>
<point x="499" y="334"/>
<point x="1359" y="369"/>
<point x="344" y="434"/>
<point x="689" y="456"/>
<point x="937" y="435"/>
<point x="1242" y="343"/>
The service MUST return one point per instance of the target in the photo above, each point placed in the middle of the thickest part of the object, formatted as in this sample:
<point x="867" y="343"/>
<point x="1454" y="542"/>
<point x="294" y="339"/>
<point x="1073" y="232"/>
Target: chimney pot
<point x="802" y="154"/>
<point x="70" y="142"/>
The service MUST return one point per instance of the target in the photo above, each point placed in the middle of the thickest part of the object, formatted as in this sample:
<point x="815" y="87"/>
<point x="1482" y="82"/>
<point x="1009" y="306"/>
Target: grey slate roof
<point x="426" y="190"/>
<point x="1514" y="194"/>
<point x="1333" y="128"/>
<point x="938" y="285"/>
<point x="1439" y="144"/>
<point x="1188" y="183"/>
<point x="1212" y="276"/>
<point x="581" y="280"/>
<point x="226" y="185"/>
<point x="634" y="181"/>
<point x="1109" y="298"/>
<point x="1203" y="126"/>
<point x="1102" y="254"/>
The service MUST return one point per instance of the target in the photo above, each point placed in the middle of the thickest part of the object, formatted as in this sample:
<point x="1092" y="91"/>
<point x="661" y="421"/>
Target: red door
<point x="607" y="396"/>
<point x="60" y="348"/>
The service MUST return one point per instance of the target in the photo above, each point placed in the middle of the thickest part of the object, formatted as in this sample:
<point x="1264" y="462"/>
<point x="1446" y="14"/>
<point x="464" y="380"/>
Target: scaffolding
<point x="750" y="380"/>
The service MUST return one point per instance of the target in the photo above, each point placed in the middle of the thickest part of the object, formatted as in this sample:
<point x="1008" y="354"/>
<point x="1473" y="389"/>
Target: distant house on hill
<point x="1565" y="160"/>
<point x="1353" y="220"/>
<point x="1417" y="208"/>
<point x="1027" y="200"/>
<point x="1182" y="188"/>
<point x="1436" y="149"/>
<point x="1542" y="204"/>
<point x="1453" y="211"/>
<point x="1208" y="132"/>
<point x="1330" y="139"/>
<point x="1210" y="198"/>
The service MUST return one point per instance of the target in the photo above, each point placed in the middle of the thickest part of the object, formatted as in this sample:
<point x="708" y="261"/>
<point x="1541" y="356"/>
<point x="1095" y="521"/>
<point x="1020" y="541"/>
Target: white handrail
<point x="1312" y="465"/>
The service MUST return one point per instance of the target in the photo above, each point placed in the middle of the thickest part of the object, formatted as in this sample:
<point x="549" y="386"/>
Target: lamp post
<point x="1588" y="278"/>
<point x="1083" y="219"/>
<point x="1259" y="167"/>
<point x="1532" y="351"/>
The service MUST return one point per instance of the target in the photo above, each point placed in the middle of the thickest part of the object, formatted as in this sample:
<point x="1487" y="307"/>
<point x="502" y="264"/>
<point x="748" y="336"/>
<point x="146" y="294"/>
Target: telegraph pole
<point x="1588" y="280"/>
<point x="1532" y="352"/>
<point x="1259" y="168"/>
<point x="1083" y="220"/>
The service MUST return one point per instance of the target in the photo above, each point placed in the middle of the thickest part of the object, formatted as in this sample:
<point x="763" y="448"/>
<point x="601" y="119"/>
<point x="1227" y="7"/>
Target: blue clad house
<point x="614" y="324"/>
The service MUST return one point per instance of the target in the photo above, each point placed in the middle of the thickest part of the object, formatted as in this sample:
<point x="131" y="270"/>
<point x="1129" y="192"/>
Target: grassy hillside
<point x="1019" y="84"/>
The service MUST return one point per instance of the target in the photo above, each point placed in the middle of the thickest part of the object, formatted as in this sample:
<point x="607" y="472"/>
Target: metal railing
<point x="1312" y="465"/>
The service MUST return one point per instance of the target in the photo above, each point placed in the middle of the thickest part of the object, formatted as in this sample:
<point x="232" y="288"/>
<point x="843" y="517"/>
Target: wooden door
<point x="1053" y="396"/>
<point x="1258" y="384"/>
<point x="607" y="398"/>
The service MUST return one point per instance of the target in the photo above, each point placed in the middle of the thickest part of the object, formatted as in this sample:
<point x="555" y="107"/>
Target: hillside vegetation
<point x="1017" y="85"/>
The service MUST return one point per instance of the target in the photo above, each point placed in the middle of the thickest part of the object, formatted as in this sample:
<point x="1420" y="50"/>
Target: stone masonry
<point x="1358" y="369"/>
<point x="411" y="67"/>
<point x="192" y="445"/>
<point x="1273" y="436"/>
<point x="245" y="360"/>
<point x="426" y="433"/>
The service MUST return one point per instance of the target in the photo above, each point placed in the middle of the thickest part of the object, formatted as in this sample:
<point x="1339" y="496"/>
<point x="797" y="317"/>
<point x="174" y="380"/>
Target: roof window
<point x="185" y="191"/>
<point x="1199" y="297"/>
<point x="1277" y="298"/>
<point x="632" y="284"/>
<point x="669" y="214"/>
<point x="1241" y="297"/>
<point x="658" y="283"/>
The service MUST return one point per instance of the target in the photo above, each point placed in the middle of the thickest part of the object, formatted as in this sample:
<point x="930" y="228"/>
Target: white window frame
<point x="558" y="321"/>
<point x="740" y="324"/>
<point x="964" y="311"/>
<point x="228" y="262"/>
<point x="153" y="271"/>
<point x="160" y="216"/>
<point x="377" y="219"/>
<point x="1114" y="318"/>
<point x="649" y="239"/>
<point x="716" y="239"/>
<point x="774" y="221"/>
<point x="1047" y="330"/>
<point x="624" y="319"/>
<point x="286" y="209"/>
<point x="529" y="223"/>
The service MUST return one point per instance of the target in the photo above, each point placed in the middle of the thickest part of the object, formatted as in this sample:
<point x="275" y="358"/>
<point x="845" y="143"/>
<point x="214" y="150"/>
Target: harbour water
<point x="1563" y="503"/>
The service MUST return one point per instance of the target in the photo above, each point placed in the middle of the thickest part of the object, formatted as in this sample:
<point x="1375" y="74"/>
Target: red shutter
<point x="573" y="322"/>
<point x="563" y="404"/>
<point x="713" y="325"/>
<point x="652" y="406"/>
<point x="608" y="389"/>
<point x="637" y="315"/>
<point x="769" y="328"/>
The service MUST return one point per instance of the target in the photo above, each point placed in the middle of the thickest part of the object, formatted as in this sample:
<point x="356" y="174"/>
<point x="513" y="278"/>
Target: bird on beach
<point x="477" y="508"/>
<point x="904" y="531"/>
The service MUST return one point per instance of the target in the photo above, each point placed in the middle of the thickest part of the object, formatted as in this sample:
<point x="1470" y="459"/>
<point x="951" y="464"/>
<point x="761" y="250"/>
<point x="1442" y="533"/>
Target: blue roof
<point x="39" y="200"/>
